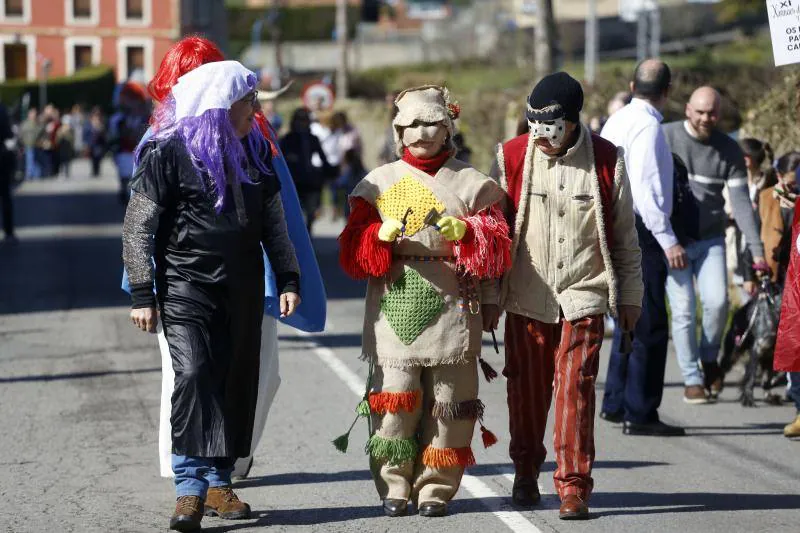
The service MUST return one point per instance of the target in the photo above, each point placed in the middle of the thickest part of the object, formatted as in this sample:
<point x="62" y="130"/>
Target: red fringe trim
<point x="361" y="253"/>
<point x="393" y="402"/>
<point x="448" y="457"/>
<point x="485" y="251"/>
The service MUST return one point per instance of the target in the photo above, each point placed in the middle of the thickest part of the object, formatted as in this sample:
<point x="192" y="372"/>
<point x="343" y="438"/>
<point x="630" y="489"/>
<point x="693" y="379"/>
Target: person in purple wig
<point x="204" y="200"/>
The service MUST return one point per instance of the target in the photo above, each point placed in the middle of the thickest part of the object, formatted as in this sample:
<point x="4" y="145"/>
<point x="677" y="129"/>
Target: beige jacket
<point x="561" y="263"/>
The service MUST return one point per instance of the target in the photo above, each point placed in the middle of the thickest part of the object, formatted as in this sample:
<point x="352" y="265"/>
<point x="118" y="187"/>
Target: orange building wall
<point x="48" y="25"/>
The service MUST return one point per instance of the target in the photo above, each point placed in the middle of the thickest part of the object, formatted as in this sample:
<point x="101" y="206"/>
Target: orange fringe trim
<point x="448" y="457"/>
<point x="392" y="402"/>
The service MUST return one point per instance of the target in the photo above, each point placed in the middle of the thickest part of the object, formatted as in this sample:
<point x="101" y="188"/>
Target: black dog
<point x="754" y="330"/>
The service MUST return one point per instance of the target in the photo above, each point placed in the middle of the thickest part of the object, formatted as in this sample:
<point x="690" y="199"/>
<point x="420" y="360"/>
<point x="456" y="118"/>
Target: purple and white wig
<point x="204" y="127"/>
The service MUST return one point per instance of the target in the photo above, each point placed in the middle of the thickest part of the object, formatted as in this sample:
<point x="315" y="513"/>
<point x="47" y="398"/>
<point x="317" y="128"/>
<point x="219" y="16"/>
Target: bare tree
<point x="545" y="38"/>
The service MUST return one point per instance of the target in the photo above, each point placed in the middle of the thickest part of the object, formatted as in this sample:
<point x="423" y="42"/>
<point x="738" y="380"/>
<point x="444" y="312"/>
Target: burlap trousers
<point x="424" y="418"/>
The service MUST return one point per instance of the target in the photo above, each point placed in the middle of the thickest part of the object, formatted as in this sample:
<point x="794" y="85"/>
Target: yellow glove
<point x="452" y="228"/>
<point x="390" y="229"/>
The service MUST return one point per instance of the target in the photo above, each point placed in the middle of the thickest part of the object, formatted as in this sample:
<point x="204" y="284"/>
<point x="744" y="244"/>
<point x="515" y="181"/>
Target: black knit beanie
<point x="558" y="95"/>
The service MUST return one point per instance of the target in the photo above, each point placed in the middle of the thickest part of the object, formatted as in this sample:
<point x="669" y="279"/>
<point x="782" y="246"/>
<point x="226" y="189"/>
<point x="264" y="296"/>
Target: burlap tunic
<point x="413" y="315"/>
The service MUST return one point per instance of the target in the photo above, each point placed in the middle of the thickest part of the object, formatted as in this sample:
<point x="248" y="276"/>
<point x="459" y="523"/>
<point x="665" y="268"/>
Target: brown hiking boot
<point x="695" y="395"/>
<point x="188" y="514"/>
<point x="223" y="502"/>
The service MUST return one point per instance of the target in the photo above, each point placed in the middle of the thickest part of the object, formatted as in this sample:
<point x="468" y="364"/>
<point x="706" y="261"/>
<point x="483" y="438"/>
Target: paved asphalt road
<point x="79" y="392"/>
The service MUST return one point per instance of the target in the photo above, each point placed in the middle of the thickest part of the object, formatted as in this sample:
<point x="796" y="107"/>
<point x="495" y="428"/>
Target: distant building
<point x="131" y="35"/>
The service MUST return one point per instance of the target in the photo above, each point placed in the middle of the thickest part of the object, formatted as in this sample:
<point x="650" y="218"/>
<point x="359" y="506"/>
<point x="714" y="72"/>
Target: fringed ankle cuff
<point x="448" y="457"/>
<point x="467" y="410"/>
<point x="392" y="402"/>
<point x="392" y="451"/>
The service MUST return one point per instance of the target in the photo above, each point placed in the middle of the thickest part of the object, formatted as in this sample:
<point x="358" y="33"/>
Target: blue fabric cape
<point x="310" y="315"/>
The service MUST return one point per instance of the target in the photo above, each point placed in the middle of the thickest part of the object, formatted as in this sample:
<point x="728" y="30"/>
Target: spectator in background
<point x="635" y="380"/>
<point x="96" y="139"/>
<point x="126" y="128"/>
<point x="347" y="139"/>
<point x="775" y="209"/>
<point x="7" y="162"/>
<point x="714" y="161"/>
<point x="756" y="153"/>
<point x="65" y="145"/>
<point x="351" y="172"/>
<point x="267" y="99"/>
<point x="302" y="150"/>
<point x="617" y="102"/>
<point x="30" y="131"/>
<point x="77" y="122"/>
<point x="47" y="142"/>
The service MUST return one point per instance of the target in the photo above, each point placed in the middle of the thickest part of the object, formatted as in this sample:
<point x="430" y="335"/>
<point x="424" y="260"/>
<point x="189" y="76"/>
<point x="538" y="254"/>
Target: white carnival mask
<point x="553" y="131"/>
<point x="422" y="132"/>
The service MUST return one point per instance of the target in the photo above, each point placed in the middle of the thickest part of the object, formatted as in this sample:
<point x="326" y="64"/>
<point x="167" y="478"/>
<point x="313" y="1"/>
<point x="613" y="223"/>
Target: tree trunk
<point x="275" y="27"/>
<point x="545" y="39"/>
<point x="341" y="38"/>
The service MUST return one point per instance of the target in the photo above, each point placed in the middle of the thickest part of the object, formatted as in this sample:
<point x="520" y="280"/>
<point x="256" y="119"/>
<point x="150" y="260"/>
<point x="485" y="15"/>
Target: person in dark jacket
<point x="205" y="199"/>
<point x="7" y="163"/>
<point x="303" y="153"/>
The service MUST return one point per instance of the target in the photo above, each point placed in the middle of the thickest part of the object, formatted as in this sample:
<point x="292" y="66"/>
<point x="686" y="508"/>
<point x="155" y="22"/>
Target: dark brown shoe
<point x="188" y="514"/>
<point x="525" y="492"/>
<point x="573" y="508"/>
<point x="695" y="395"/>
<point x="395" y="507"/>
<point x="223" y="502"/>
<point x="432" y="509"/>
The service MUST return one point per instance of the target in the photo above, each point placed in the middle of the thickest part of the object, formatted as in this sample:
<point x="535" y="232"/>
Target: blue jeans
<point x="706" y="263"/>
<point x="194" y="475"/>
<point x="32" y="169"/>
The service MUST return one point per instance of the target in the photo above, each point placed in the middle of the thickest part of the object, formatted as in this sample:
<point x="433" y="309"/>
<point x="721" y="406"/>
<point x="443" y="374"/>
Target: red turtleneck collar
<point x="428" y="166"/>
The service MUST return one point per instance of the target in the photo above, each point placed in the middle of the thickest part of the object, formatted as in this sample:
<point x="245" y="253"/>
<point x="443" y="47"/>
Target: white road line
<point x="477" y="488"/>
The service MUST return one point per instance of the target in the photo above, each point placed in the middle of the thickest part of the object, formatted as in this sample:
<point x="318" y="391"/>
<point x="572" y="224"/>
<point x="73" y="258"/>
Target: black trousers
<point x="6" y="202"/>
<point x="635" y="382"/>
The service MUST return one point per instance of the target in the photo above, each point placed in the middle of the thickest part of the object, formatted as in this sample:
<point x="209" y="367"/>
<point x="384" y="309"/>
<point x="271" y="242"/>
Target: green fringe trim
<point x="363" y="408"/>
<point x="393" y="451"/>
<point x="342" y="442"/>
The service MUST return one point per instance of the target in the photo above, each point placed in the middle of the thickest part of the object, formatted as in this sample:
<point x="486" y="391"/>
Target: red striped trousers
<point x="543" y="361"/>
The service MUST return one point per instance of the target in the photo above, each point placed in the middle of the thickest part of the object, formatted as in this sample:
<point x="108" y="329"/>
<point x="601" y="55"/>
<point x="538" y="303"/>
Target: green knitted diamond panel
<point x="410" y="305"/>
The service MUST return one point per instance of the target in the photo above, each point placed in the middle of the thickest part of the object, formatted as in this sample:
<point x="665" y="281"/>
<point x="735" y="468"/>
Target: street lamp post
<point x="590" y="56"/>
<point x="46" y="64"/>
<point x="341" y="39"/>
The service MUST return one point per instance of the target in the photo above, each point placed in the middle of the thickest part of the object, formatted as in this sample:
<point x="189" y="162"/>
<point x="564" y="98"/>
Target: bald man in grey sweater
<point x="714" y="160"/>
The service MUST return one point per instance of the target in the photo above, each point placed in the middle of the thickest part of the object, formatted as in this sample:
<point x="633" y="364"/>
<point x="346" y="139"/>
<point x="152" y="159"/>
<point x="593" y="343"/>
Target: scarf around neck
<point x="428" y="166"/>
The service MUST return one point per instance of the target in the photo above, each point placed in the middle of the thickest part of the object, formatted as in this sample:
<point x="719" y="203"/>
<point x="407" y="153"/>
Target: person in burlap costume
<point x="430" y="235"/>
<point x="575" y="256"/>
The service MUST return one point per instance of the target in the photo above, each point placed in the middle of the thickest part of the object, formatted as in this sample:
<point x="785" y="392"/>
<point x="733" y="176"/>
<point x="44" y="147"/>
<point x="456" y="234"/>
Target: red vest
<point x="605" y="160"/>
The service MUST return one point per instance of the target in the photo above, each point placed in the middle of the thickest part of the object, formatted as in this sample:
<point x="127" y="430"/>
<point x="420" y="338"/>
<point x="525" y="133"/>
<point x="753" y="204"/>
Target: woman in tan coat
<point x="428" y="233"/>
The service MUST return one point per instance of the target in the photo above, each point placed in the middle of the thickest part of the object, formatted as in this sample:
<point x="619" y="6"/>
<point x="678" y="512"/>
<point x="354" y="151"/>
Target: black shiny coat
<point x="210" y="289"/>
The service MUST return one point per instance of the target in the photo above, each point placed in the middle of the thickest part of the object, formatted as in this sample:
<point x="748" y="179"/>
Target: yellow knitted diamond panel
<point x="408" y="192"/>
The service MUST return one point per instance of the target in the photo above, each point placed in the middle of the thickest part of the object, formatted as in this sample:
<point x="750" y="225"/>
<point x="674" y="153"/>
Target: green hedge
<point x="91" y="86"/>
<point x="312" y="23"/>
